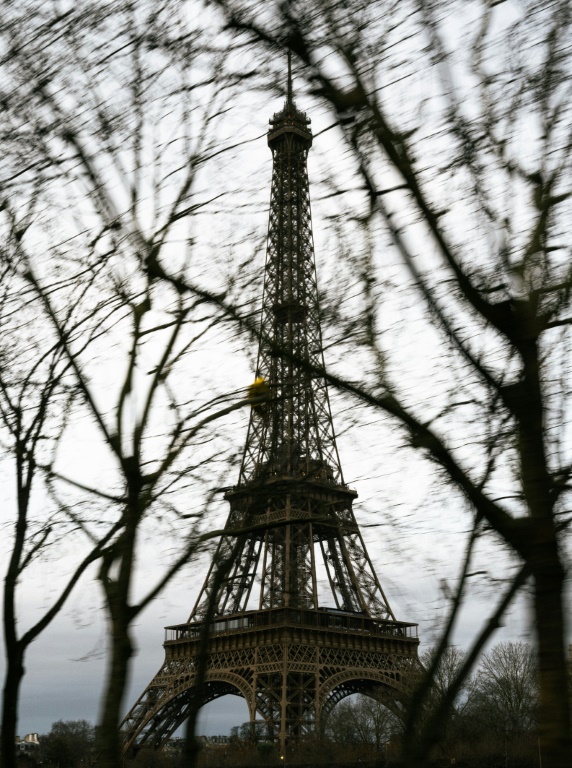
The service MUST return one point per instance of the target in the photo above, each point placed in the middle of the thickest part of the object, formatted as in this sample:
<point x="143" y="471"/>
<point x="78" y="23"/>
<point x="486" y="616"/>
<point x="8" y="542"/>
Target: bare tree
<point x="112" y="121"/>
<point x="504" y="705"/>
<point x="70" y="743"/>
<point x="35" y="398"/>
<point x="460" y="139"/>
<point x="446" y="696"/>
<point x="362" y="721"/>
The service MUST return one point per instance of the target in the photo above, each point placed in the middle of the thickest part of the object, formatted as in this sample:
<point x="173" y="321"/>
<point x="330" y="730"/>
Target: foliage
<point x="69" y="744"/>
<point x="495" y="713"/>
<point x="504" y="699"/>
<point x="363" y="721"/>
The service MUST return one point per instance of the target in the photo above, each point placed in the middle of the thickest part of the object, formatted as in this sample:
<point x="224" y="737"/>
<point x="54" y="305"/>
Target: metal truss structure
<point x="291" y="616"/>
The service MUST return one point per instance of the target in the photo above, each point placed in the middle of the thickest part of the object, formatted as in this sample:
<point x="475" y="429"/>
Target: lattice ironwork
<point x="290" y="666"/>
<point x="276" y="636"/>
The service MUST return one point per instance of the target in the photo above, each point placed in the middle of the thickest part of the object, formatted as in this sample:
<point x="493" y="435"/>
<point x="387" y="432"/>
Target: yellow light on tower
<point x="256" y="393"/>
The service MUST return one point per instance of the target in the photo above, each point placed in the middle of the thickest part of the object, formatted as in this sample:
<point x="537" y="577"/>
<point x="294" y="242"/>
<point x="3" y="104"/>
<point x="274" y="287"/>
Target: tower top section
<point x="291" y="538"/>
<point x="291" y="435"/>
<point x="290" y="121"/>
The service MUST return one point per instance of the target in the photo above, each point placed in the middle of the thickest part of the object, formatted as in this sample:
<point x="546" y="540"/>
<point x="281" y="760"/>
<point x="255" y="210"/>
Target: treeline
<point x="493" y="721"/>
<point x="69" y="743"/>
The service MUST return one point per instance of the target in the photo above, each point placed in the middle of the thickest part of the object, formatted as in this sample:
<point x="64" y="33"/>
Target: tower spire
<point x="289" y="91"/>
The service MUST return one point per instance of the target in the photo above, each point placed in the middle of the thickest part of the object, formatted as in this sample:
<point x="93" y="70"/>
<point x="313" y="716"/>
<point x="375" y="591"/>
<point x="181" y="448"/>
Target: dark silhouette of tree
<point x="69" y="744"/>
<point x="459" y="138"/>
<point x="496" y="712"/>
<point x="503" y="711"/>
<point x="452" y="724"/>
<point x="476" y="202"/>
<point x="35" y="398"/>
<point x="362" y="721"/>
<point x="111" y="112"/>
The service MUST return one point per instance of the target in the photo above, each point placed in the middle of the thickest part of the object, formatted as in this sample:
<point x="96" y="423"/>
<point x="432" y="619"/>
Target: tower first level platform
<point x="290" y="665"/>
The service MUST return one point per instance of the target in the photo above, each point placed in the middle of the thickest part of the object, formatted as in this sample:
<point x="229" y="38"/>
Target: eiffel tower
<point x="291" y="615"/>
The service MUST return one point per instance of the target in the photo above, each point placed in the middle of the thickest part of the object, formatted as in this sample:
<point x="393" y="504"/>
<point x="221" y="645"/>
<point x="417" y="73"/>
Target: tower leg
<point x="284" y="707"/>
<point x="317" y="710"/>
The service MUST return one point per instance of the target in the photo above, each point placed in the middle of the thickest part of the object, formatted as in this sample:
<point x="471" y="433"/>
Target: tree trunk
<point x="10" y="697"/>
<point x="15" y="649"/>
<point x="110" y="718"/>
<point x="554" y="704"/>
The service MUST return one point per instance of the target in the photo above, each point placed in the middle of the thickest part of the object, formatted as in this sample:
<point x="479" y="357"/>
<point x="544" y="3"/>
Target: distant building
<point x="214" y="741"/>
<point x="175" y="746"/>
<point x="30" y="743"/>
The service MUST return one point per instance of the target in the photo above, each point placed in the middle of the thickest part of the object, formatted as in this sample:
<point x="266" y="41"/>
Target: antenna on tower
<point x="289" y="92"/>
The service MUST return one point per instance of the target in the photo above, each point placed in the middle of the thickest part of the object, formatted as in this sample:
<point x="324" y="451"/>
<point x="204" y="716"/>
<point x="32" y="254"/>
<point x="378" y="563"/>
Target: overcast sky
<point x="412" y="539"/>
